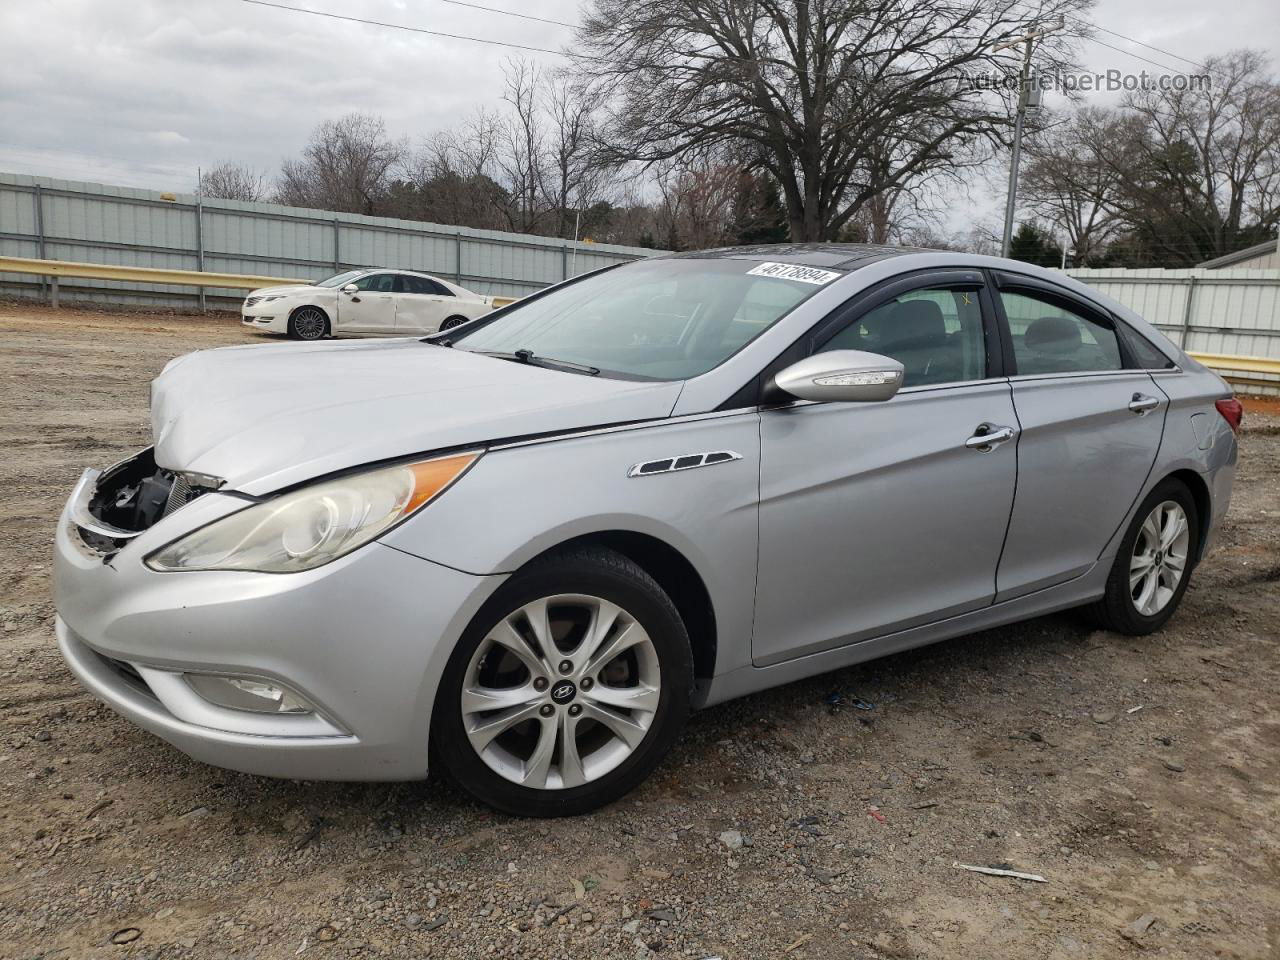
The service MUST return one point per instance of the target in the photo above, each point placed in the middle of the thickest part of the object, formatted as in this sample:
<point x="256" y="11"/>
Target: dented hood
<point x="267" y="416"/>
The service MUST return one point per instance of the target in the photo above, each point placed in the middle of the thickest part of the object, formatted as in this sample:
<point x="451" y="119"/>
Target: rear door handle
<point x="988" y="436"/>
<point x="1141" y="404"/>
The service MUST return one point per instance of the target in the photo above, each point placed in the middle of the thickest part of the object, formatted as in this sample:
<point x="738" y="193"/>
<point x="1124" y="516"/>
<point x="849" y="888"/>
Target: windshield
<point x="656" y="319"/>
<point x="341" y="279"/>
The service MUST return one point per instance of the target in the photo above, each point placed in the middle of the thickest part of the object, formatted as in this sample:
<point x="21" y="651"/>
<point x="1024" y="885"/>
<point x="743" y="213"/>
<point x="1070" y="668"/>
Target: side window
<point x="1146" y="355"/>
<point x="377" y="283"/>
<point x="423" y="285"/>
<point x="935" y="333"/>
<point x="1051" y="338"/>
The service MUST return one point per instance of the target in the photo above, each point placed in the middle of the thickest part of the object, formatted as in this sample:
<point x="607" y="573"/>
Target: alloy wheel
<point x="1159" y="558"/>
<point x="309" y="323"/>
<point x="561" y="691"/>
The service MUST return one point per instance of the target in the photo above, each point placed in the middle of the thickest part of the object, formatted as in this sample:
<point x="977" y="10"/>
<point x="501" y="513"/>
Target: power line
<point x="576" y="56"/>
<point x="1167" y="53"/>
<point x="1136" y="56"/>
<point x="433" y="33"/>
<point x="511" y="13"/>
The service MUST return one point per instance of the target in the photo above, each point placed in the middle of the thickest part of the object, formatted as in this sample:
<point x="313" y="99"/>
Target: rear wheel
<point x="568" y="688"/>
<point x="452" y="322"/>
<point x="308" y="323"/>
<point x="1153" y="567"/>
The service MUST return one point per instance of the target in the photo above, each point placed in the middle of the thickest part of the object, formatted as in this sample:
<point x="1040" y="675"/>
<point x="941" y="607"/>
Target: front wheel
<point x="308" y="323"/>
<point x="568" y="688"/>
<point x="1153" y="567"/>
<point x="452" y="322"/>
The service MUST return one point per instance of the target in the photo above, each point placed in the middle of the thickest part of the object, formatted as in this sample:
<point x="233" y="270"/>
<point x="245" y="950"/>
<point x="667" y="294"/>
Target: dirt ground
<point x="1139" y="777"/>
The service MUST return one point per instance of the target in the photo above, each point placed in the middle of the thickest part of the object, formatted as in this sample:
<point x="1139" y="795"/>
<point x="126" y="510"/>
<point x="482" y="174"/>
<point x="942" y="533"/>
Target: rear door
<point x="875" y="517"/>
<point x="421" y="305"/>
<point x="372" y="308"/>
<point x="1090" y="427"/>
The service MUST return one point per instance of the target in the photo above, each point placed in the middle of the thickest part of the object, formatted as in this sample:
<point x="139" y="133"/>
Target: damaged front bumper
<point x="361" y="641"/>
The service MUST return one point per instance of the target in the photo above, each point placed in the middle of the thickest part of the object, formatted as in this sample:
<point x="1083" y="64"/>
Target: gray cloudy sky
<point x="141" y="92"/>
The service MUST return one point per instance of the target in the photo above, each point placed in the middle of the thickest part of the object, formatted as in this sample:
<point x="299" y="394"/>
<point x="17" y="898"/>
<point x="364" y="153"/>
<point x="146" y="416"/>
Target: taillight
<point x="1232" y="411"/>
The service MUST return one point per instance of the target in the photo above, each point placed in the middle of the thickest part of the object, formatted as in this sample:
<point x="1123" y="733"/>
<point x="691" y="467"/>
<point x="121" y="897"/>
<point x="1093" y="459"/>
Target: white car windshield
<point x="662" y="319"/>
<point x="341" y="279"/>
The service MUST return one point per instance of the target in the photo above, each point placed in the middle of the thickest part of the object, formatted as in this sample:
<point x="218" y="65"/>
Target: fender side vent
<point x="688" y="461"/>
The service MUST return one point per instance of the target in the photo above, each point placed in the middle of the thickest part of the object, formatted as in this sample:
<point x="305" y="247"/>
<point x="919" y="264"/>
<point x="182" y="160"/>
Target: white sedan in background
<point x="363" y="303"/>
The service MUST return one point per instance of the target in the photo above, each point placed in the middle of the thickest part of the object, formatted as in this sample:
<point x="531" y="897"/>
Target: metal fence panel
<point x="97" y="223"/>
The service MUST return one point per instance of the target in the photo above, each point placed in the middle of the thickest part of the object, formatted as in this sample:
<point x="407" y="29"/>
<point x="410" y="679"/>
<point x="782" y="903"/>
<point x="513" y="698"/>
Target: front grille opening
<point x="133" y="495"/>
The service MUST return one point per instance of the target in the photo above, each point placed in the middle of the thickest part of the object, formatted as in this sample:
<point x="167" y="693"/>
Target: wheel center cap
<point x="563" y="691"/>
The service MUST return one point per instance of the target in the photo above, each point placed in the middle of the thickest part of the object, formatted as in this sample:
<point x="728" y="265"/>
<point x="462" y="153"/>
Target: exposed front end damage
<point x="112" y="506"/>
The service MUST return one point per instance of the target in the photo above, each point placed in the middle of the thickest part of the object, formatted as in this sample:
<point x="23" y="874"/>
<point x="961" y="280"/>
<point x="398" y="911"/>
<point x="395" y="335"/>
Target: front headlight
<point x="316" y="524"/>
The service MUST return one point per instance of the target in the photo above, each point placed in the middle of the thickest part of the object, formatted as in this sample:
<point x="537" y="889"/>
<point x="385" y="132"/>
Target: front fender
<point x="523" y="500"/>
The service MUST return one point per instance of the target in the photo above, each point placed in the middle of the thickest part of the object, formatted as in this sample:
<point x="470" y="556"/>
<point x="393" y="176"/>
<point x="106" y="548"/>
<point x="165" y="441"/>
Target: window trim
<point x="755" y="391"/>
<point x="1044" y="290"/>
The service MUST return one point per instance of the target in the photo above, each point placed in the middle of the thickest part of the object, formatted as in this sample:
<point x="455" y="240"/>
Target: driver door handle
<point x="1141" y="403"/>
<point x="988" y="436"/>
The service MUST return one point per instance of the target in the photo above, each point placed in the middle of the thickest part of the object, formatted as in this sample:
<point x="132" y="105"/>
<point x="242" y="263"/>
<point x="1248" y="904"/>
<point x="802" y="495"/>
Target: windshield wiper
<point x="529" y="357"/>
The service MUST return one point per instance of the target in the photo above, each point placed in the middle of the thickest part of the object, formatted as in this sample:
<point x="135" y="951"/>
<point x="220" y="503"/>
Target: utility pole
<point x="1026" y="98"/>
<point x="577" y="224"/>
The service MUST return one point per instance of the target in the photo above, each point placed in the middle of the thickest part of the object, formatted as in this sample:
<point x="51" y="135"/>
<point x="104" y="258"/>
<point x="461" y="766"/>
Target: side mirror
<point x="350" y="289"/>
<point x="851" y="376"/>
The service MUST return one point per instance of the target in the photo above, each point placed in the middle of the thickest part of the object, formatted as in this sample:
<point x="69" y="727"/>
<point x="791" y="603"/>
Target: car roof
<point x="412" y="273"/>
<point x="841" y="256"/>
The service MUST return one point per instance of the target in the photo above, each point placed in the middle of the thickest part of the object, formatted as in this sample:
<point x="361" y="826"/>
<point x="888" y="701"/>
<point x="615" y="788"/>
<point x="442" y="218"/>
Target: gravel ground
<point x="1139" y="777"/>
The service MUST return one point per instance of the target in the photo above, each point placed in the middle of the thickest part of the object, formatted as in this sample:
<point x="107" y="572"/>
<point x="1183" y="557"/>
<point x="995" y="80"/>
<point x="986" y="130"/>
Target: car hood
<point x="265" y="417"/>
<point x="285" y="290"/>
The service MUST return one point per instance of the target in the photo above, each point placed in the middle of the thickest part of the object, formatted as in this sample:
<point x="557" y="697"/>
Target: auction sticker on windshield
<point x="792" y="271"/>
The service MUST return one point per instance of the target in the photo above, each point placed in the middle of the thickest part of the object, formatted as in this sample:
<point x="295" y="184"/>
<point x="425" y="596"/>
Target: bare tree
<point x="520" y="147"/>
<point x="898" y="207"/>
<point x="534" y="167"/>
<point x="697" y="204"/>
<point x="232" y="181"/>
<point x="1200" y="174"/>
<point x="1070" y="184"/>
<point x="450" y="179"/>
<point x="817" y="87"/>
<point x="575" y="176"/>
<point x="347" y="166"/>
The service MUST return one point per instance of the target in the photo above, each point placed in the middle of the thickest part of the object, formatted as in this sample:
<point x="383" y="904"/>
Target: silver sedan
<point x="523" y="550"/>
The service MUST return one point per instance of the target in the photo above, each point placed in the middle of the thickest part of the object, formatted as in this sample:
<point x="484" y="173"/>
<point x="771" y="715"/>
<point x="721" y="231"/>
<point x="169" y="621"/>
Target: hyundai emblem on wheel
<point x="563" y="692"/>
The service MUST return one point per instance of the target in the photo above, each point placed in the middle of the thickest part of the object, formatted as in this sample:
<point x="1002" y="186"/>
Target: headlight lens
<point x="312" y="526"/>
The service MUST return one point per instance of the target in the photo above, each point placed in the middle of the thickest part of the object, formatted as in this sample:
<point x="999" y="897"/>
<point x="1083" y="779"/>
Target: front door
<point x="881" y="516"/>
<point x="372" y="308"/>
<point x="1090" y="430"/>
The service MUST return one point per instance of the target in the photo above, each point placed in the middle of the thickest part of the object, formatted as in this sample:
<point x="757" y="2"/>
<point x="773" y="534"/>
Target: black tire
<point x="1117" y="609"/>
<point x="596" y="572"/>
<point x="452" y="322"/>
<point x="308" y="323"/>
